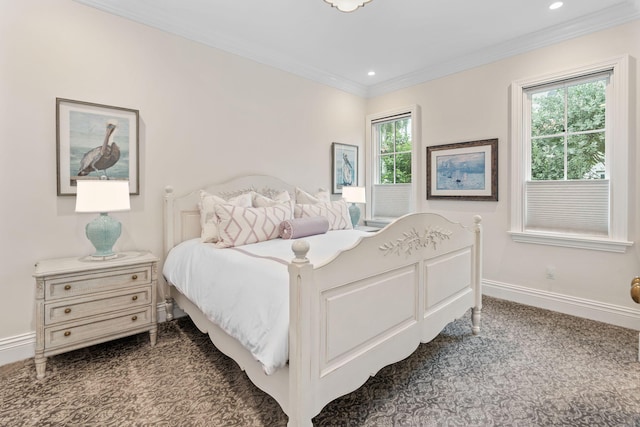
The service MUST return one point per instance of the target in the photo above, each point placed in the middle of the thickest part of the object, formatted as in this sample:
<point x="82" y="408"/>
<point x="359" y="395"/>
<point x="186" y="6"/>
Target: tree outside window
<point x="394" y="154"/>
<point x="568" y="132"/>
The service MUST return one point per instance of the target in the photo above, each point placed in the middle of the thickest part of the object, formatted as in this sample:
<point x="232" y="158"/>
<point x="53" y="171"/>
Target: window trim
<point x="414" y="112"/>
<point x="617" y="126"/>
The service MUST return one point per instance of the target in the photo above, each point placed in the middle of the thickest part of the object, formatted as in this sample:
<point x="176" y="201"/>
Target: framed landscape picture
<point x="344" y="166"/>
<point x="95" y="142"/>
<point x="463" y="171"/>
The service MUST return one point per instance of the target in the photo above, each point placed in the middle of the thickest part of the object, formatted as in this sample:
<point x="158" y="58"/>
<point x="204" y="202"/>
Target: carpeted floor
<point x="529" y="367"/>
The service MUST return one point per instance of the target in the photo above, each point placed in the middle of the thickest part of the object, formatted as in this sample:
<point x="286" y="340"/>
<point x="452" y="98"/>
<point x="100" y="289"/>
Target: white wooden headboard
<point x="181" y="212"/>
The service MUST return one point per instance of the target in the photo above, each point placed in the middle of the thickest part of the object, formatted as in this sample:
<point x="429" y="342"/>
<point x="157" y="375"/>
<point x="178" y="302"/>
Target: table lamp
<point x="103" y="196"/>
<point x="354" y="195"/>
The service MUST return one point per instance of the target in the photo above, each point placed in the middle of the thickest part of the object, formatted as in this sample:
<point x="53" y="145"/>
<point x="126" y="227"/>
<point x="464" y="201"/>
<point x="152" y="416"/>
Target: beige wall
<point x="474" y="105"/>
<point x="205" y="115"/>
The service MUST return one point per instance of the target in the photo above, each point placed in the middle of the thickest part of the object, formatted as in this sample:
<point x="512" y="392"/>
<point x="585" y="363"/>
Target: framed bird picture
<point x="345" y="166"/>
<point x="95" y="142"/>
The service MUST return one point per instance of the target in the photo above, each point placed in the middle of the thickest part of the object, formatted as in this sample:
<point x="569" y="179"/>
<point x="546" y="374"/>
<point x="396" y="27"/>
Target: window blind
<point x="568" y="206"/>
<point x="391" y="118"/>
<point x="391" y="200"/>
<point x="569" y="82"/>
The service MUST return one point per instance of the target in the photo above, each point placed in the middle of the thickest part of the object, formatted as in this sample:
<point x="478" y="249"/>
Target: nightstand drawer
<point x="66" y="310"/>
<point x="76" y="285"/>
<point x="66" y="336"/>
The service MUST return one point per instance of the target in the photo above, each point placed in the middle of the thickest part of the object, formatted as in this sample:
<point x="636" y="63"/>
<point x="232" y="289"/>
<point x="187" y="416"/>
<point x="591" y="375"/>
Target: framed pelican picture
<point x="345" y="166"/>
<point x="95" y="141"/>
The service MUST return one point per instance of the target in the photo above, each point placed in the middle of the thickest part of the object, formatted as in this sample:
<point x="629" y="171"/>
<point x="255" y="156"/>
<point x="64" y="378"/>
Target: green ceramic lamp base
<point x="354" y="211"/>
<point x="103" y="232"/>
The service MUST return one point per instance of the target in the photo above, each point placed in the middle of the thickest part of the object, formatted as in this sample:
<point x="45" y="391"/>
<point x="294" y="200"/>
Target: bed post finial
<point x="300" y="248"/>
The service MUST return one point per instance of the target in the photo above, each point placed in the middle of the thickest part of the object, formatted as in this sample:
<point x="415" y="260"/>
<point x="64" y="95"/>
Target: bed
<point x="355" y="312"/>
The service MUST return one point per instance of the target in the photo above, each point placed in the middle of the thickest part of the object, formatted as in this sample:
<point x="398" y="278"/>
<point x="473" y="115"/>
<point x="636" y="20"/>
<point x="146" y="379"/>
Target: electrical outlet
<point x="551" y="272"/>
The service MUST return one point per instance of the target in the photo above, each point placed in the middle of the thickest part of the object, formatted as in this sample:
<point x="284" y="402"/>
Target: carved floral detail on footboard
<point x="413" y="240"/>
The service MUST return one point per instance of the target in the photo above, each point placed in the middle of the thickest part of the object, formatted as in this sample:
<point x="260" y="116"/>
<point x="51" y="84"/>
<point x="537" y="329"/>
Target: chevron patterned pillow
<point x="241" y="226"/>
<point x="336" y="212"/>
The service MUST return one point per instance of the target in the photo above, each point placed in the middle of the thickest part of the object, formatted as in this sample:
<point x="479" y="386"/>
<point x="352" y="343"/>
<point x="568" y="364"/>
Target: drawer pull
<point x="134" y="318"/>
<point x="134" y="277"/>
<point x="67" y="310"/>
<point x="67" y="287"/>
<point x="135" y="297"/>
<point x="67" y="333"/>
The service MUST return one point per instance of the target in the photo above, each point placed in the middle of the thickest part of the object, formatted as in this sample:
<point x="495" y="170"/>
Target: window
<point x="567" y="130"/>
<point x="570" y="146"/>
<point x="392" y="149"/>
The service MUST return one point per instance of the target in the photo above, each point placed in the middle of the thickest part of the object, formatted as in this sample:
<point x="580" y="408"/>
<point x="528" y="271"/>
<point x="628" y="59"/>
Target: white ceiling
<point x="406" y="42"/>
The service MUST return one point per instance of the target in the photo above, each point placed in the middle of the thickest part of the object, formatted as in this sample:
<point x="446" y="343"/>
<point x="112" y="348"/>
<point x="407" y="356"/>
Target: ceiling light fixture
<point x="556" y="5"/>
<point x="371" y="73"/>
<point x="347" y="5"/>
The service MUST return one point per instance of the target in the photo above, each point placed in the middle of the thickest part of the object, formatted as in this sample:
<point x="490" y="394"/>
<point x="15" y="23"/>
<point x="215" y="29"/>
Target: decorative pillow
<point x="208" y="218"/>
<point x="242" y="226"/>
<point x="303" y="227"/>
<point x="304" y="198"/>
<point x="262" y="201"/>
<point x="282" y="198"/>
<point x="336" y="212"/>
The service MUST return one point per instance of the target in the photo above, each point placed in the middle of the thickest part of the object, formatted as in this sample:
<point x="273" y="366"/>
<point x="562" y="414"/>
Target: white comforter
<point x="245" y="290"/>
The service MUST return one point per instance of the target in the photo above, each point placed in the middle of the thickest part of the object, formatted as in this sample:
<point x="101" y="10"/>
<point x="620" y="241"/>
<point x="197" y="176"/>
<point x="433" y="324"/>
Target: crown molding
<point x="613" y="16"/>
<point x="609" y="18"/>
<point x="235" y="47"/>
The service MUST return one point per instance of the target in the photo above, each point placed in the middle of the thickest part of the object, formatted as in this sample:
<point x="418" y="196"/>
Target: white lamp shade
<point x="102" y="196"/>
<point x="354" y="194"/>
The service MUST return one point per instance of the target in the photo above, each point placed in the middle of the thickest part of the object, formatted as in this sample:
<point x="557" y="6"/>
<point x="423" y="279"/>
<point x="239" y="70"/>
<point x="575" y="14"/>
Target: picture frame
<point x="463" y="171"/>
<point x="344" y="171"/>
<point x="92" y="136"/>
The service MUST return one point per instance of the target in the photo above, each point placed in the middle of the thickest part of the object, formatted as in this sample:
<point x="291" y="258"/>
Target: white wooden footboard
<point x="372" y="305"/>
<point x="367" y="308"/>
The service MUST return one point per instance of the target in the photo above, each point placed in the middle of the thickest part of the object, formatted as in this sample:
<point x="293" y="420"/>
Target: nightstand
<point x="81" y="302"/>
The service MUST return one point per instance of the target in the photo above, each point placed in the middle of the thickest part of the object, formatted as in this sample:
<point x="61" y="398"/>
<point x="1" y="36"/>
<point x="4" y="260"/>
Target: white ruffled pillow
<point x="336" y="212"/>
<point x="282" y="198"/>
<point x="262" y="201"/>
<point x="304" y="198"/>
<point x="242" y="226"/>
<point x="208" y="217"/>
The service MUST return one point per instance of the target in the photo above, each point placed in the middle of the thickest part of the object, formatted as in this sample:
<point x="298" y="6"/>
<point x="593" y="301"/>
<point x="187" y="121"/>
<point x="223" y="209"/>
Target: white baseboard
<point x="18" y="347"/>
<point x="575" y="306"/>
<point x="21" y="347"/>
